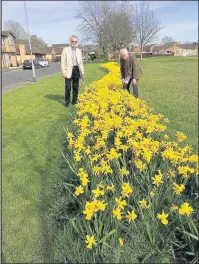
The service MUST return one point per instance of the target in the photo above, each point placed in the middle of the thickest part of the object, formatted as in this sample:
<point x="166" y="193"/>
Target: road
<point x="13" y="79"/>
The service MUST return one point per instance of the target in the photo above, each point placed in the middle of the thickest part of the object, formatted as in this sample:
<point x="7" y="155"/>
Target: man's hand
<point x="134" y="81"/>
<point x="122" y="81"/>
<point x="64" y="75"/>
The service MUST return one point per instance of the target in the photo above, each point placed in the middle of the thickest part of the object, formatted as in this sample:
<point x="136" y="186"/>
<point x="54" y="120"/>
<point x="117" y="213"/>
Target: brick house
<point x="8" y="49"/>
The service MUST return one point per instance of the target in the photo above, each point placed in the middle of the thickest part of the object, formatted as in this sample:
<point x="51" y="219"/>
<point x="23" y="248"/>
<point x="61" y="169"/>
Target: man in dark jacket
<point x="130" y="71"/>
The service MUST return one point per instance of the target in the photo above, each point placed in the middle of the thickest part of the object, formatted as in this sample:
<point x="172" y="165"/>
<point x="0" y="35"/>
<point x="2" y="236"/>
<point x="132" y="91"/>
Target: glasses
<point x="74" y="41"/>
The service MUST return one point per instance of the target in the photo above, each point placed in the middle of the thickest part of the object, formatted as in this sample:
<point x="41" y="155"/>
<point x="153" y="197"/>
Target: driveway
<point x="13" y="79"/>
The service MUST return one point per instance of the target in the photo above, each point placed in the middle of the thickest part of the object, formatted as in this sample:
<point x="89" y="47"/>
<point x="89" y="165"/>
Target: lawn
<point x="170" y="86"/>
<point x="33" y="124"/>
<point x="34" y="118"/>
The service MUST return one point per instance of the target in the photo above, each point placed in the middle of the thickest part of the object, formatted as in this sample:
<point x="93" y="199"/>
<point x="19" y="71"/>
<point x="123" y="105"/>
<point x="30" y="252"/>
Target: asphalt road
<point x="13" y="79"/>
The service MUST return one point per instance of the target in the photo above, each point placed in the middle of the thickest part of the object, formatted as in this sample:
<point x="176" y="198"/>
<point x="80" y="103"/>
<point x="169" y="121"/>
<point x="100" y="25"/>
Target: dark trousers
<point x="75" y="84"/>
<point x="126" y="86"/>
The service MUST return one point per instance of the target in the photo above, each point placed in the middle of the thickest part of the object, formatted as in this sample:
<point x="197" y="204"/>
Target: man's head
<point x="124" y="54"/>
<point x="73" y="41"/>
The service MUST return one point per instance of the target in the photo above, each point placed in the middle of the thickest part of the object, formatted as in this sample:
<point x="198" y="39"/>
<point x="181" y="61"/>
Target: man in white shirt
<point x="72" y="69"/>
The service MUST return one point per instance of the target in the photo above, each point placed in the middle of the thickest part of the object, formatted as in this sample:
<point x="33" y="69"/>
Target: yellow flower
<point x="178" y="188"/>
<point x="143" y="204"/>
<point x="117" y="213"/>
<point x="157" y="180"/>
<point x="121" y="241"/>
<point x="180" y="136"/>
<point x="120" y="203"/>
<point x="84" y="181"/>
<point x="171" y="174"/>
<point x="98" y="192"/>
<point x="163" y="218"/>
<point x="131" y="216"/>
<point x="186" y="209"/>
<point x="113" y="154"/>
<point x="82" y="173"/>
<point x="100" y="205"/>
<point x="90" y="240"/>
<point x="152" y="193"/>
<point x="124" y="171"/>
<point x="126" y="189"/>
<point x="79" y="190"/>
<point x="110" y="188"/>
<point x="174" y="207"/>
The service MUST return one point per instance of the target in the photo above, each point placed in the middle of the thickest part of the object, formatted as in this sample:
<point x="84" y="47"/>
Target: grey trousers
<point x="126" y="86"/>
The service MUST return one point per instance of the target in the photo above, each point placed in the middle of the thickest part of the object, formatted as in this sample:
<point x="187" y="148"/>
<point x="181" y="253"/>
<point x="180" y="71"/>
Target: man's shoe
<point x="74" y="103"/>
<point x="67" y="104"/>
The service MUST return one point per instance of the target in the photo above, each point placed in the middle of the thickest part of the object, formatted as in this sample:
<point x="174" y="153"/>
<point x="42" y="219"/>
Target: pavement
<point x="17" y="78"/>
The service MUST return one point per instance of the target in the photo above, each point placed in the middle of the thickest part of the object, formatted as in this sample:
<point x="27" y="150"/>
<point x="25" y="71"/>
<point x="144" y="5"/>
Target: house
<point x="187" y="50"/>
<point x="8" y="49"/>
<point x="57" y="51"/>
<point x="23" y="52"/>
<point x="177" y="49"/>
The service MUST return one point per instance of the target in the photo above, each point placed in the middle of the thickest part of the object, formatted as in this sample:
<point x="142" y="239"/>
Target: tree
<point x="37" y="42"/>
<point x="120" y="27"/>
<point x="146" y="24"/>
<point x="95" y="19"/>
<point x="187" y="42"/>
<point x="16" y="29"/>
<point x="167" y="40"/>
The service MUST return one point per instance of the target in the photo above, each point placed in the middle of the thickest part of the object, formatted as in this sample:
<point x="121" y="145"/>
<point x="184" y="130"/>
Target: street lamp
<point x="33" y="66"/>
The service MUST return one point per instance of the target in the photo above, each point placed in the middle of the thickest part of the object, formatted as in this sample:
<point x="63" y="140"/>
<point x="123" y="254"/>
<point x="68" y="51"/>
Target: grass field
<point x="34" y="118"/>
<point x="170" y="86"/>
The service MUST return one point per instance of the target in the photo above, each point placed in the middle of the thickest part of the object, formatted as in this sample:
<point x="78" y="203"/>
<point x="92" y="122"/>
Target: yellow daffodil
<point x="90" y="241"/>
<point x="163" y="218"/>
<point x="121" y="242"/>
<point x="120" y="203"/>
<point x="186" y="209"/>
<point x="178" y="189"/>
<point x="143" y="204"/>
<point x="131" y="216"/>
<point x="79" y="190"/>
<point x="117" y="213"/>
<point x="174" y="207"/>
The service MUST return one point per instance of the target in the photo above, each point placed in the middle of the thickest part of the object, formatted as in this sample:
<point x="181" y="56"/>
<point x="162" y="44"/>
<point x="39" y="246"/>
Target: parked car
<point x="43" y="62"/>
<point x="86" y="58"/>
<point x="27" y="64"/>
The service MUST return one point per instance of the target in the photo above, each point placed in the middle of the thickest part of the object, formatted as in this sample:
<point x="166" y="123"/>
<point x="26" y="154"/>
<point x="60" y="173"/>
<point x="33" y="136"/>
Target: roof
<point x="148" y="47"/>
<point x="21" y="41"/>
<point x="161" y="47"/>
<point x="60" y="45"/>
<point x="34" y="50"/>
<point x="6" y="33"/>
<point x="47" y="49"/>
<point x="188" y="46"/>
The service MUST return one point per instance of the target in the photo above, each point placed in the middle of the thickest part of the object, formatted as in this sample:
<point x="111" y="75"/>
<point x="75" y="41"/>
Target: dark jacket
<point x="133" y="67"/>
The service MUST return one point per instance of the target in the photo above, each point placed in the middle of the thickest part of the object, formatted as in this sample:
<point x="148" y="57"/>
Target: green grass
<point x="34" y="118"/>
<point x="170" y="86"/>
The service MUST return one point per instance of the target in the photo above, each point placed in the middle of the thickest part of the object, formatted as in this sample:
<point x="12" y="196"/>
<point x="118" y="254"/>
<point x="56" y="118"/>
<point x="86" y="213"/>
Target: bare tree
<point x="16" y="29"/>
<point x="37" y="42"/>
<point x="146" y="23"/>
<point x="167" y="40"/>
<point x="95" y="22"/>
<point x="120" y="27"/>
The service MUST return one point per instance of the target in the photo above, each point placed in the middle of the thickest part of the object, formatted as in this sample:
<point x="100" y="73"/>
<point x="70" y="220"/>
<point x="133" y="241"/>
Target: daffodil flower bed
<point x="129" y="174"/>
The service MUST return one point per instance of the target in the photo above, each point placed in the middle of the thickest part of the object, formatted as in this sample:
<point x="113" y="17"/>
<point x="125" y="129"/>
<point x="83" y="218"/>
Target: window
<point x="168" y="51"/>
<point x="10" y="57"/>
<point x="2" y="41"/>
<point x="10" y="40"/>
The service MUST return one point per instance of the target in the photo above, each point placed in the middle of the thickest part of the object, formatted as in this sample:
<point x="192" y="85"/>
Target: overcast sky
<point x="54" y="21"/>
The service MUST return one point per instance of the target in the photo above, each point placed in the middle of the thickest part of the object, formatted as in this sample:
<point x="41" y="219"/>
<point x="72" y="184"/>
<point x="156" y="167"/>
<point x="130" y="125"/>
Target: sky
<point x="54" y="21"/>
